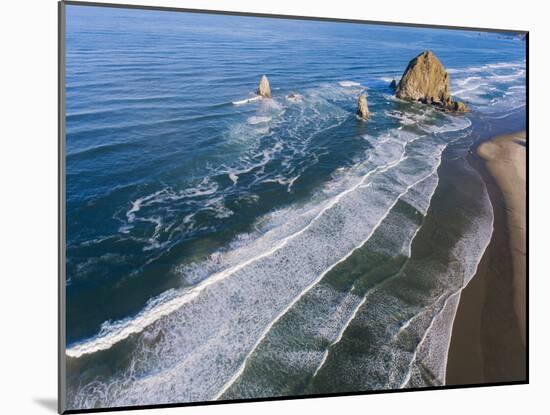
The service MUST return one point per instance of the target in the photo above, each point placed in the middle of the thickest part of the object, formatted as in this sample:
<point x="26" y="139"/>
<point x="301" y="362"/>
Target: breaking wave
<point x="293" y="251"/>
<point x="492" y="88"/>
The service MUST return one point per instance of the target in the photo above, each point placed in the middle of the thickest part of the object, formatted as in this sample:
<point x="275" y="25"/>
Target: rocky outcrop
<point x="293" y="96"/>
<point x="362" y="107"/>
<point x="457" y="106"/>
<point x="393" y="84"/>
<point x="263" y="88"/>
<point x="426" y="80"/>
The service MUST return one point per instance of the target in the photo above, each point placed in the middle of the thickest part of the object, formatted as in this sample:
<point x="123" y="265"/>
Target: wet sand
<point x="488" y="336"/>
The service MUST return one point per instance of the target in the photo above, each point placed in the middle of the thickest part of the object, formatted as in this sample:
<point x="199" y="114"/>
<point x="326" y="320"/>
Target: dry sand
<point x="489" y="331"/>
<point x="506" y="160"/>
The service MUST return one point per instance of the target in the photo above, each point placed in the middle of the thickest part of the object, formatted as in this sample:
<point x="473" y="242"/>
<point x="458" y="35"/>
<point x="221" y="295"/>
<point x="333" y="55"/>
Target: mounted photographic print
<point x="256" y="207"/>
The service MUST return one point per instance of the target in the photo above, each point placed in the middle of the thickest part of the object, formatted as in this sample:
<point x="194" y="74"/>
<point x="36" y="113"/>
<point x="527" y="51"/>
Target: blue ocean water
<point x="220" y="249"/>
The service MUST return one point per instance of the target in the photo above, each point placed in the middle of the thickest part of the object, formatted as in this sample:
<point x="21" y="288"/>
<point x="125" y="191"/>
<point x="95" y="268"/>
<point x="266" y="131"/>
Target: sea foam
<point x="306" y="251"/>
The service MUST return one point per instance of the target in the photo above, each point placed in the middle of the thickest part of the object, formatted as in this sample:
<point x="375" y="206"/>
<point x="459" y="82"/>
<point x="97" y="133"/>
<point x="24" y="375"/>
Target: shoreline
<point x="488" y="333"/>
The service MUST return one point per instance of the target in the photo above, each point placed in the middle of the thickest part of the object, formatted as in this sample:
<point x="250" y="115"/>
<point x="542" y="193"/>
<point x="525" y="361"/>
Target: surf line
<point x="242" y="366"/>
<point x="373" y="289"/>
<point x="145" y="318"/>
<point x="415" y="316"/>
<point x="340" y="335"/>
<point x="361" y="303"/>
<point x="457" y="292"/>
<point x="423" y="339"/>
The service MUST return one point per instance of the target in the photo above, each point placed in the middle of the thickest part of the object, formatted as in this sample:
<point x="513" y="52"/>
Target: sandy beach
<point x="489" y="331"/>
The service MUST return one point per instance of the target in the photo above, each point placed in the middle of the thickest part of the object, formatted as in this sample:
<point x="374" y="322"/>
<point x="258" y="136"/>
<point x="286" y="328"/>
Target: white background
<point x="28" y="204"/>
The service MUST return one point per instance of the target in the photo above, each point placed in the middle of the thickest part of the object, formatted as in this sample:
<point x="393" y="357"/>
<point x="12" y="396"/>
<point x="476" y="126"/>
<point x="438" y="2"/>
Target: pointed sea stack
<point x="393" y="84"/>
<point x="362" y="107"/>
<point x="263" y="88"/>
<point x="426" y="80"/>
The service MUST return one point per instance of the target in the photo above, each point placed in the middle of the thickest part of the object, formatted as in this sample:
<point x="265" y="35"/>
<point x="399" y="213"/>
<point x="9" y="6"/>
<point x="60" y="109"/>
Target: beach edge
<point x="488" y="342"/>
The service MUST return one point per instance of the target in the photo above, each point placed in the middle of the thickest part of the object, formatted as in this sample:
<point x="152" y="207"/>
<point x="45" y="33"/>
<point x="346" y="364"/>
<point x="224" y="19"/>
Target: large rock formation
<point x="263" y="88"/>
<point x="362" y="107"/>
<point x="426" y="80"/>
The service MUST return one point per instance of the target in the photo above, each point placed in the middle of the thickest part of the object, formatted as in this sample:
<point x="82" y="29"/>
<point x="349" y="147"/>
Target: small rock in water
<point x="263" y="88"/>
<point x="293" y="96"/>
<point x="362" y="107"/>
<point x="458" y="106"/>
<point x="393" y="84"/>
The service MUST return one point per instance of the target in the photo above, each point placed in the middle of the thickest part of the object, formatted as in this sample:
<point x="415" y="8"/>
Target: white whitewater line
<point x="149" y="316"/>
<point x="423" y="338"/>
<point x="348" y="83"/>
<point x="309" y="287"/>
<point x="136" y="204"/>
<point x="353" y="315"/>
<point x="414" y="317"/>
<point x="489" y="239"/>
<point x="458" y="292"/>
<point x="409" y="321"/>
<point x="499" y="65"/>
<point x="373" y="289"/>
<point x="340" y="334"/>
<point x="461" y="91"/>
<point x="431" y="196"/>
<point x="247" y="100"/>
<point x="323" y="360"/>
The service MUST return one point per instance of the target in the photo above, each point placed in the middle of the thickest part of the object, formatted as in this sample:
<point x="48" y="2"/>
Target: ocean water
<point x="218" y="249"/>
